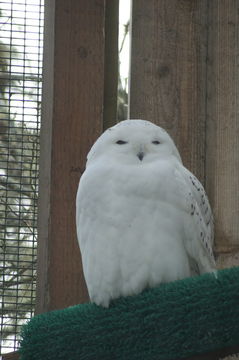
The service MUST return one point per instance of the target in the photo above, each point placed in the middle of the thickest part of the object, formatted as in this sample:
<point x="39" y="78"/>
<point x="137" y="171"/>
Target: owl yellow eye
<point x="121" y="142"/>
<point x="156" y="142"/>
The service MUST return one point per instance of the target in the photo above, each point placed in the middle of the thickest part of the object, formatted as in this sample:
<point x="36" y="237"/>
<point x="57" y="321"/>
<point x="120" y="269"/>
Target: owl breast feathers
<point x="142" y="217"/>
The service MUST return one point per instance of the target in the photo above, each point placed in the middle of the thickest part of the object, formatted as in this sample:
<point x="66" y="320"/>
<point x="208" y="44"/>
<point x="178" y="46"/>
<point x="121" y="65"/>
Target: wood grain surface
<point x="73" y="94"/>
<point x="184" y="77"/>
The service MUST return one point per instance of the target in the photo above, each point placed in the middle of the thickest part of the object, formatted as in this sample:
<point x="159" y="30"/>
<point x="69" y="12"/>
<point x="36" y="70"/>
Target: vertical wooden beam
<point x="184" y="77"/>
<point x="111" y="62"/>
<point x="73" y="94"/>
<point x="11" y="356"/>
<point x="168" y="72"/>
<point x="223" y="126"/>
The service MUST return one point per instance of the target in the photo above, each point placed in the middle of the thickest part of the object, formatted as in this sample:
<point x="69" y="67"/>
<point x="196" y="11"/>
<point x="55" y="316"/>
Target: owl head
<point x="135" y="142"/>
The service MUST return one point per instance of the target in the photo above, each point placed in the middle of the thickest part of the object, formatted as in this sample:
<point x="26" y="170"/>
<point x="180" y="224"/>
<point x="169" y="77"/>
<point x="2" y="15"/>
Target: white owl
<point x="142" y="217"/>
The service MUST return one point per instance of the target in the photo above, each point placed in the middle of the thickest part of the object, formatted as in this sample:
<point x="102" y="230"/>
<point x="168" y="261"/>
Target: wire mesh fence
<point x="21" y="41"/>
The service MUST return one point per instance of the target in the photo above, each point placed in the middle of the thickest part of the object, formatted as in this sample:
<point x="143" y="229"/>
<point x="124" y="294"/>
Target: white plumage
<point x="142" y="217"/>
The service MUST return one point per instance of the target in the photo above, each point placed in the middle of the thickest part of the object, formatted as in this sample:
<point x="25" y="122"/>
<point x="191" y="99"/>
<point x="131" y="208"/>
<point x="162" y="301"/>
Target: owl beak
<point x="140" y="155"/>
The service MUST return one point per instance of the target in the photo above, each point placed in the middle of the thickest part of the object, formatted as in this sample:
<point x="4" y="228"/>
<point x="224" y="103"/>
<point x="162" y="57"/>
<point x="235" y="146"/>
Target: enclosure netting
<point x="21" y="40"/>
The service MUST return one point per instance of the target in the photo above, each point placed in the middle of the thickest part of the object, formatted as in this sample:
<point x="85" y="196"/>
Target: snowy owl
<point x="142" y="217"/>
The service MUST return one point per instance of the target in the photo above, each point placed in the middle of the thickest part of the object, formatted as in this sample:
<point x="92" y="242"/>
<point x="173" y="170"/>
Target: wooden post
<point x="222" y="145"/>
<point x="72" y="118"/>
<point x="184" y="77"/>
<point x="168" y="72"/>
<point x="111" y="62"/>
<point x="11" y="356"/>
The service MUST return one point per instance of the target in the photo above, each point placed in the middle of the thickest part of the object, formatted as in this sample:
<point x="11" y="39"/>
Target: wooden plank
<point x="223" y="126"/>
<point x="184" y="77"/>
<point x="45" y="160"/>
<point x="72" y="120"/>
<point x="168" y="74"/>
<point x="11" y="356"/>
<point x="111" y="62"/>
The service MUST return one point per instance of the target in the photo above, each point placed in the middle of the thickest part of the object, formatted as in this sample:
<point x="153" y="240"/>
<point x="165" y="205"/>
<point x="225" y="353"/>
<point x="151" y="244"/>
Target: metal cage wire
<point x="21" y="43"/>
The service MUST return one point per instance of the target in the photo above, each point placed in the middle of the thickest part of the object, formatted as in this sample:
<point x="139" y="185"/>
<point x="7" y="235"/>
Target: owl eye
<point x="121" y="142"/>
<point x="156" y="142"/>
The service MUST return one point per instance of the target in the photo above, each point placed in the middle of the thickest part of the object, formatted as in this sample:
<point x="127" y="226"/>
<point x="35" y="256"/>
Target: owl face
<point x="134" y="142"/>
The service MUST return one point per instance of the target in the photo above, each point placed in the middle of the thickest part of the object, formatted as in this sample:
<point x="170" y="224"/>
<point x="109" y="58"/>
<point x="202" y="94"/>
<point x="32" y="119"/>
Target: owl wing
<point x="199" y="224"/>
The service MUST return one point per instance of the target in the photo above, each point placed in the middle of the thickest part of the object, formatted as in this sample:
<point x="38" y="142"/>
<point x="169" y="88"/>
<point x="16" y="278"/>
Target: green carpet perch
<point x="173" y="321"/>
